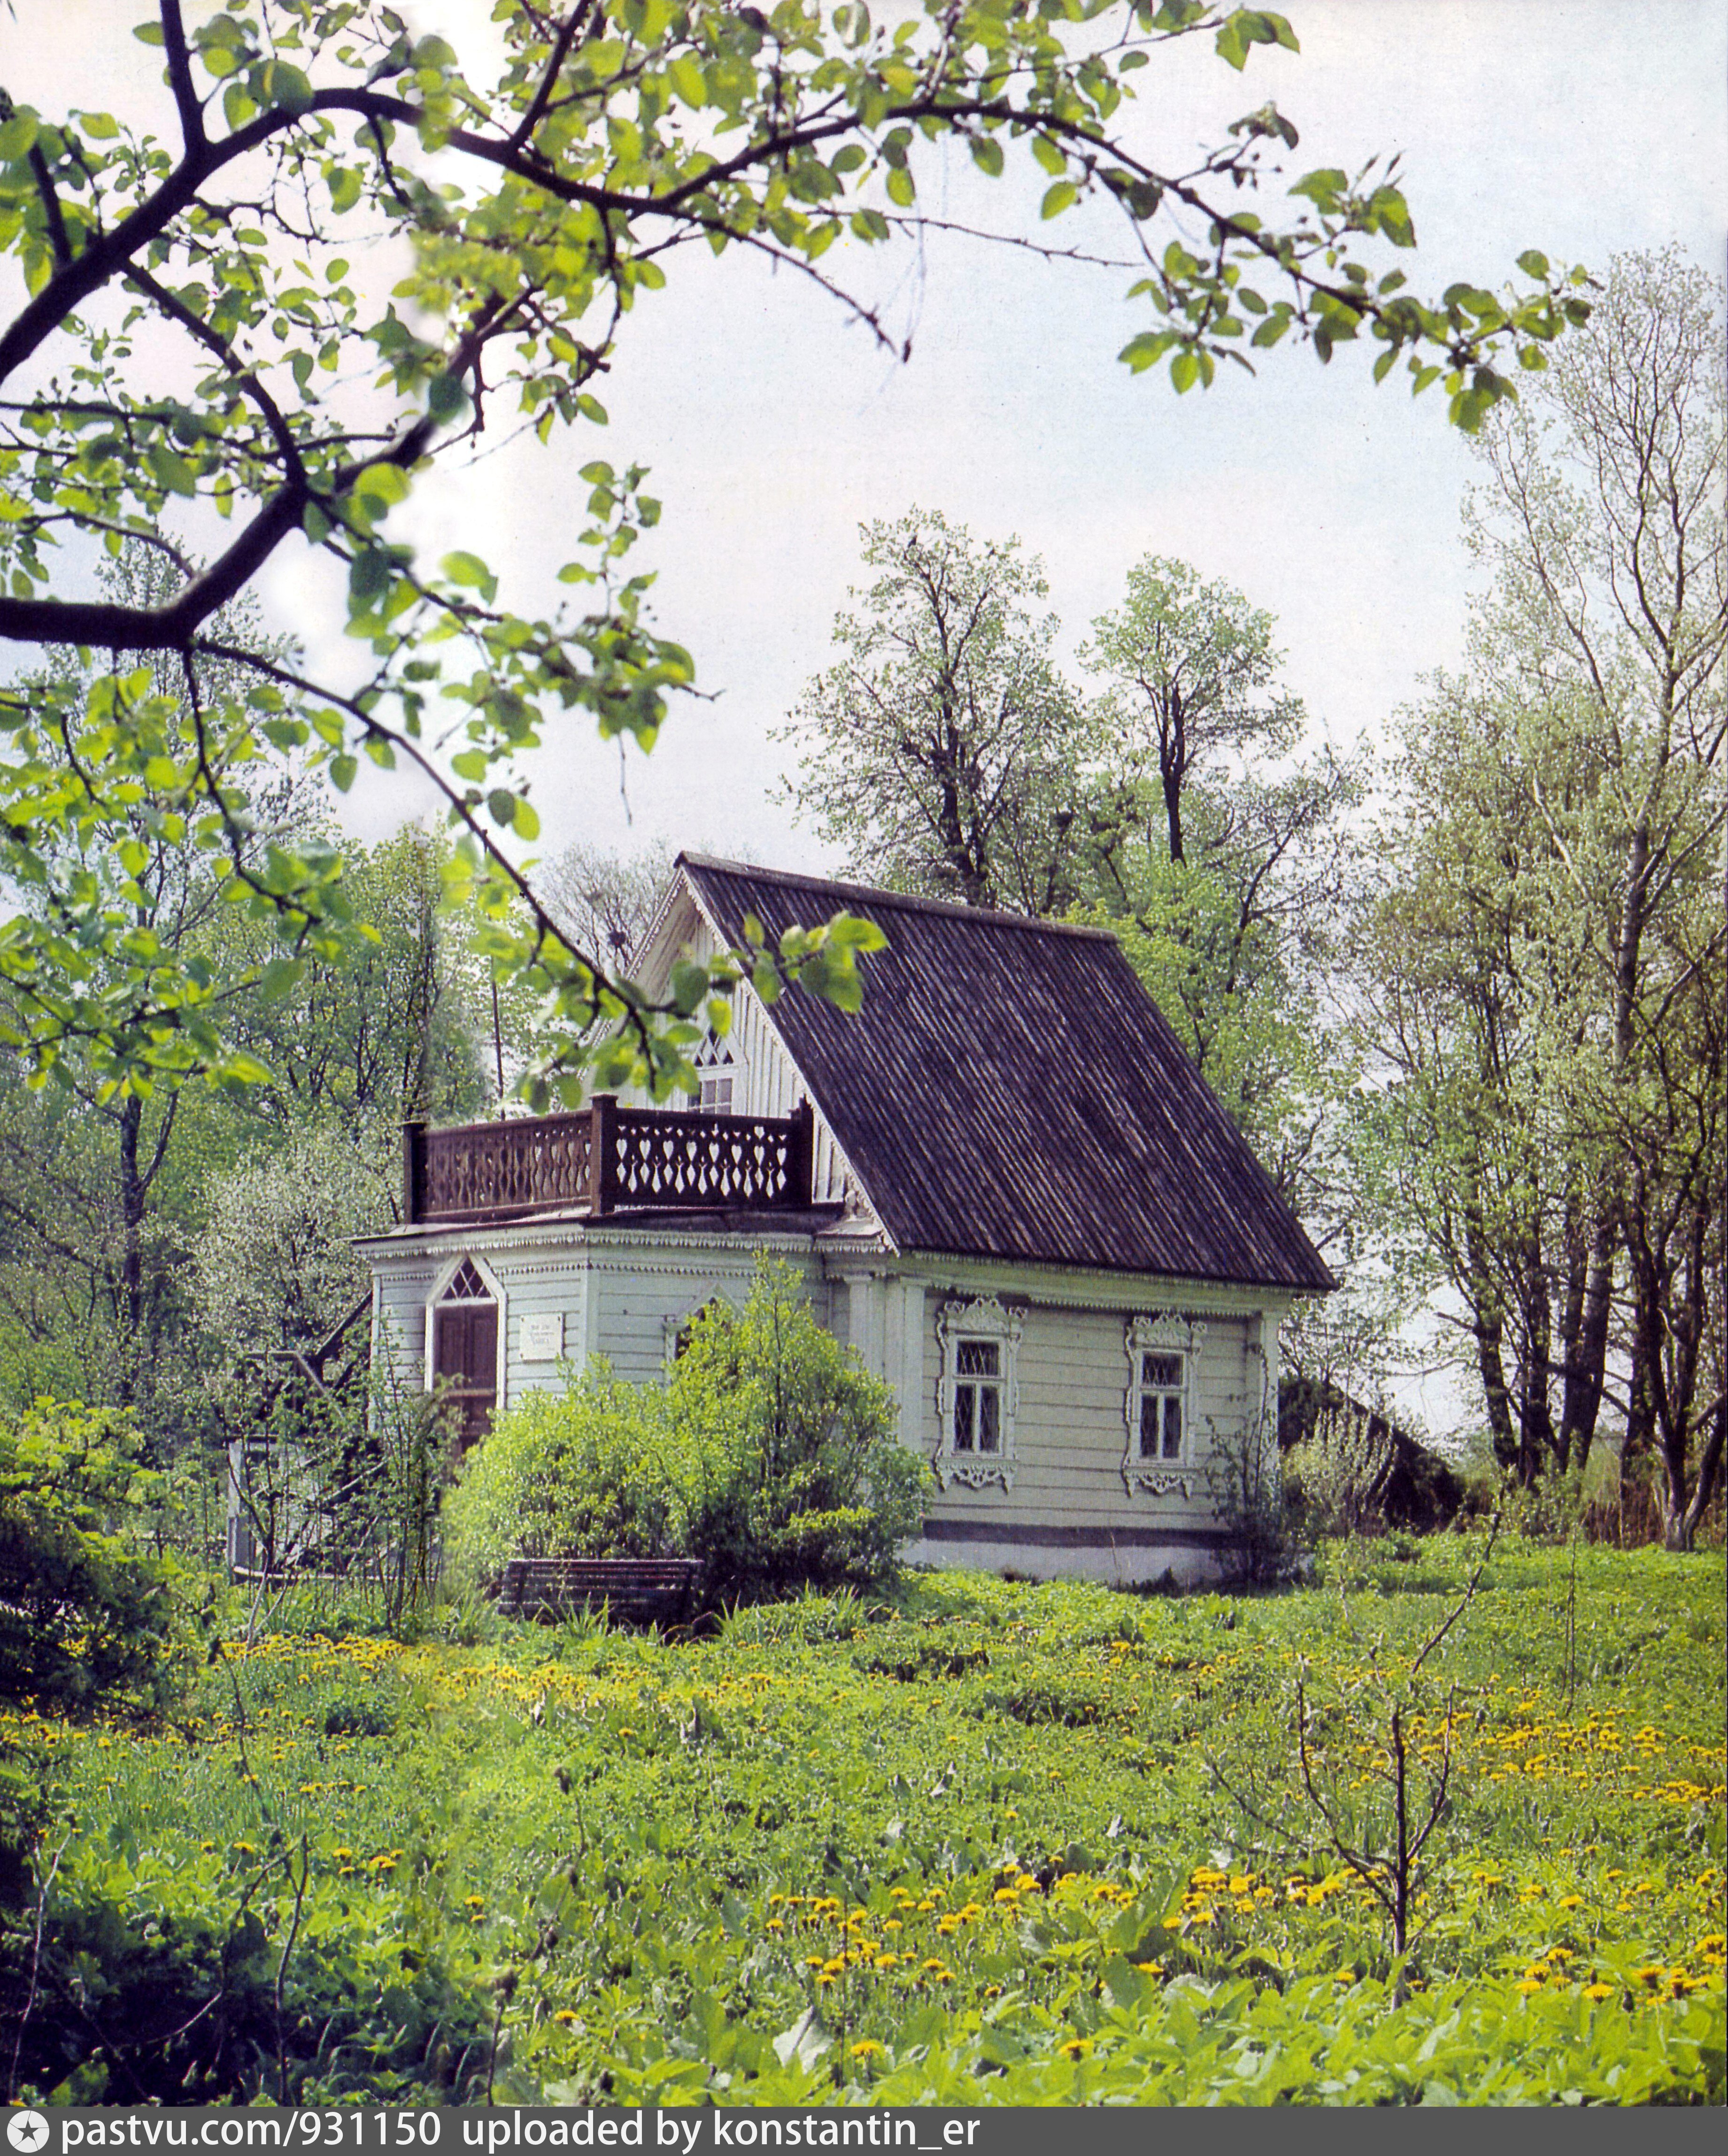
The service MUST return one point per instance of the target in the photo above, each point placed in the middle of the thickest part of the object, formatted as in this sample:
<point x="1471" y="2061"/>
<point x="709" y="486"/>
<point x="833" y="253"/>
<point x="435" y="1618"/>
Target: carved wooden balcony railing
<point x="607" y="1159"/>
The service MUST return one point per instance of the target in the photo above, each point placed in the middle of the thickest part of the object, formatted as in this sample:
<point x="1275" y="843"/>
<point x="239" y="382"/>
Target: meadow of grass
<point x="982" y="1842"/>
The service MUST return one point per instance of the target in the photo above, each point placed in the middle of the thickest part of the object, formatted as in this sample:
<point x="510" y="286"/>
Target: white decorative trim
<point x="1183" y="1334"/>
<point x="983" y="1319"/>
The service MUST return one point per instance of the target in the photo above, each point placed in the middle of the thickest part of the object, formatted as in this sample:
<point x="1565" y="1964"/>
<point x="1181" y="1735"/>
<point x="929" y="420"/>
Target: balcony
<point x="607" y="1160"/>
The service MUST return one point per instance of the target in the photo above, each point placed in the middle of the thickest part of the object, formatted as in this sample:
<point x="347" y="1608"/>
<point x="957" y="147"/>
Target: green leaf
<point x="469" y="572"/>
<point x="502" y="806"/>
<point x="1060" y="197"/>
<point x="685" y="74"/>
<point x="446" y="399"/>
<point x="987" y="155"/>
<point x="17" y="136"/>
<point x="170" y="469"/>
<point x="287" y="87"/>
<point x="386" y="484"/>
<point x="1533" y="265"/>
<point x="343" y="770"/>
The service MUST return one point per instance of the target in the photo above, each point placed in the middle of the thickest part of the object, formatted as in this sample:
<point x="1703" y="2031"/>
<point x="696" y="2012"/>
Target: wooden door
<point x="465" y="1366"/>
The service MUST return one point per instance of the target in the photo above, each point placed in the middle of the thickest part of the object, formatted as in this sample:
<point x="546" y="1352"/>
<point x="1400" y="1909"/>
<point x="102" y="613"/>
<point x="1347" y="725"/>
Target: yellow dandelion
<point x="1076" y="2049"/>
<point x="1598" y="1990"/>
<point x="565" y="2016"/>
<point x="868" y="2048"/>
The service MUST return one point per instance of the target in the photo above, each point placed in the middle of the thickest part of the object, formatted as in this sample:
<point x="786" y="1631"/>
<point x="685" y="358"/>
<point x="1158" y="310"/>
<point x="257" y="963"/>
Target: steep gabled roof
<point x="1010" y="1091"/>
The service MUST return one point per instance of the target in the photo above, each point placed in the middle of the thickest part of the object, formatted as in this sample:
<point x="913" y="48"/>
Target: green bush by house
<point x="769" y="1454"/>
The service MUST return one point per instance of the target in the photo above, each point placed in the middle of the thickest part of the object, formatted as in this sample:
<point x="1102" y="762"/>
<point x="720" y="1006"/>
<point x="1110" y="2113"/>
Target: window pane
<point x="964" y="1416"/>
<point x="1172" y="1426"/>
<point x="977" y="1359"/>
<point x="1161" y="1370"/>
<point x="989" y="1400"/>
<point x="1148" y="1425"/>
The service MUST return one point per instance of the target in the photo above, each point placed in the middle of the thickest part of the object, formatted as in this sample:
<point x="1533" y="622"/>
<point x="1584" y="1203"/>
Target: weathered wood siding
<point x="637" y="1298"/>
<point x="1071" y="1432"/>
<point x="615" y="1295"/>
<point x="771" y="1085"/>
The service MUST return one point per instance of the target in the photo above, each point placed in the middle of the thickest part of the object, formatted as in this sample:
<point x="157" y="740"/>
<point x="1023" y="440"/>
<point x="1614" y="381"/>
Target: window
<point x="1163" y="1350"/>
<point x="978" y="1397"/>
<point x="719" y="1077"/>
<point x="463" y="1365"/>
<point x="978" y="1393"/>
<point x="1162" y="1383"/>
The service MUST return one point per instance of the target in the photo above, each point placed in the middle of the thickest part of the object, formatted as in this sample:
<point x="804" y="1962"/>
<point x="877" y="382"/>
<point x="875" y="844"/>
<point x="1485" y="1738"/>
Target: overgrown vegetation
<point x="770" y="1453"/>
<point x="963" y="1845"/>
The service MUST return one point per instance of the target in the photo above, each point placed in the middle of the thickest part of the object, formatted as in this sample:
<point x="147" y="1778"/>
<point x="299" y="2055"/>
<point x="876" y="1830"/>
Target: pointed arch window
<point x="466" y="1325"/>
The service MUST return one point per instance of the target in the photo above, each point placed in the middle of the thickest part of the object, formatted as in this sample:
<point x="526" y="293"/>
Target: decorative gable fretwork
<point x="1162" y="1348"/>
<point x="977" y="1394"/>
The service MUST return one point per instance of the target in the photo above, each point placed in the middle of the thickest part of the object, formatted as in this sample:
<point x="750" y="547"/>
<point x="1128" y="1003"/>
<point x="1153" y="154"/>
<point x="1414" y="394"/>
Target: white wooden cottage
<point x="1004" y="1182"/>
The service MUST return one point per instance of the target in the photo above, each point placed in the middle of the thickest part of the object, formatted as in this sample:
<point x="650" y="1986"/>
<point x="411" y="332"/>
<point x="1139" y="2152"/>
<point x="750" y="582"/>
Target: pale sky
<point x="1581" y="127"/>
<point x="773" y="427"/>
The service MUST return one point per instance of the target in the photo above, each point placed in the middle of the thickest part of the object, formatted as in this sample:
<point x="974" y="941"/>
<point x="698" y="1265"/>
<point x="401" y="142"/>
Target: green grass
<point x="992" y="1843"/>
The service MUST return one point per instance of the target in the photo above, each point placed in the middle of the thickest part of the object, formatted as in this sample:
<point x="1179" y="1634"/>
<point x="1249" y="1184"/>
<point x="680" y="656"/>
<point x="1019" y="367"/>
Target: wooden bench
<point x="646" y="1590"/>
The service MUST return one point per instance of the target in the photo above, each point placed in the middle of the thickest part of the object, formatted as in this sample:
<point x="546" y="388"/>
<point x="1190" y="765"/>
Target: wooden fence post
<point x="414" y="1170"/>
<point x="603" y="1154"/>
<point x="801" y="1158"/>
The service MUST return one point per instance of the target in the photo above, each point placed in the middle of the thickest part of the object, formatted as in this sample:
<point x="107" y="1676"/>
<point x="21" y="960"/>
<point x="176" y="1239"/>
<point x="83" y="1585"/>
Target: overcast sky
<point x="773" y="427"/>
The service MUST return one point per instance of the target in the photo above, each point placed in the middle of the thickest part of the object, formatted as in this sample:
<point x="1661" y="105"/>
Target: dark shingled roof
<point x="1011" y="1092"/>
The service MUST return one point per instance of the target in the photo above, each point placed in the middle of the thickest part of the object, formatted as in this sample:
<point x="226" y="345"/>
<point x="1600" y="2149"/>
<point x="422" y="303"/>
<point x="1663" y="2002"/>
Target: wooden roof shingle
<point x="1010" y="1091"/>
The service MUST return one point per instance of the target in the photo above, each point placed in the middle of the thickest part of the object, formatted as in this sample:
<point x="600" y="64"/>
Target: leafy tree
<point x="276" y="1267"/>
<point x="1548" y="959"/>
<point x="1191" y="672"/>
<point x="400" y="1021"/>
<point x="191" y="341"/>
<point x="941" y="751"/>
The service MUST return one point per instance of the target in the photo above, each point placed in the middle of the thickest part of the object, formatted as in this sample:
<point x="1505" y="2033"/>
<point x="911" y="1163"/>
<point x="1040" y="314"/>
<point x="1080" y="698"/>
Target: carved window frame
<point x="983" y="1321"/>
<point x="1154" y="1332"/>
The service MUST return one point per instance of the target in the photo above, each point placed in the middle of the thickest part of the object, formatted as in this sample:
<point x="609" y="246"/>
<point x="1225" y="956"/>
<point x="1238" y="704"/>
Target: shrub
<point x="86" y="1618"/>
<point x="770" y="1453"/>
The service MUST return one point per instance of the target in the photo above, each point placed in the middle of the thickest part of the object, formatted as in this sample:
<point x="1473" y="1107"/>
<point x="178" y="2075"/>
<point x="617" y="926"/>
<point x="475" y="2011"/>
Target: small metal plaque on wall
<point x="542" y="1336"/>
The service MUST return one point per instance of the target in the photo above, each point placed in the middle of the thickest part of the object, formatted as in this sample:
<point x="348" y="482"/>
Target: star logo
<point x="28" y="2131"/>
